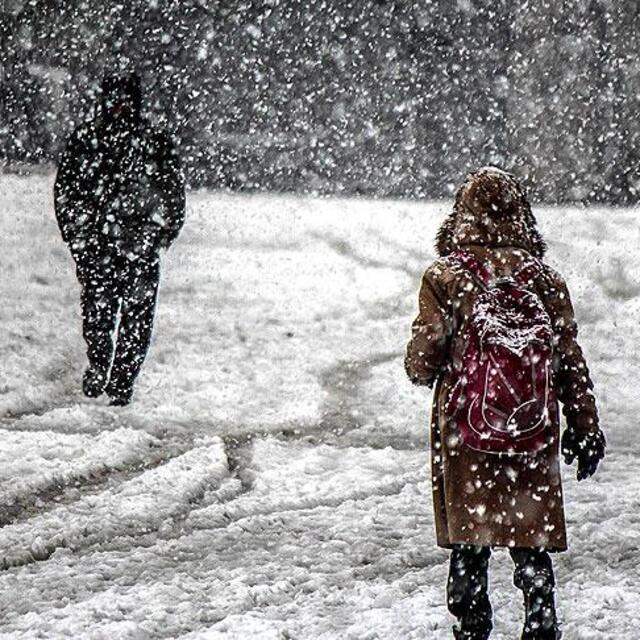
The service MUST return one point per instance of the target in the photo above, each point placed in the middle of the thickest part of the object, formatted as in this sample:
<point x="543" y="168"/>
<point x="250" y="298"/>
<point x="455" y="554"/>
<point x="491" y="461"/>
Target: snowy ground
<point x="269" y="480"/>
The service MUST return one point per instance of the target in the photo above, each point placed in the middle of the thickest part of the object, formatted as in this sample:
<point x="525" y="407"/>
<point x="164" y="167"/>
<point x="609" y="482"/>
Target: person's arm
<point x="583" y="438"/>
<point x="171" y="185"/>
<point x="574" y="387"/>
<point x="427" y="350"/>
<point x="74" y="206"/>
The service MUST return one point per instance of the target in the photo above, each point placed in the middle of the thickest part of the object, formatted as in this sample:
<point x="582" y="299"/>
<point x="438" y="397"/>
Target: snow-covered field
<point x="269" y="480"/>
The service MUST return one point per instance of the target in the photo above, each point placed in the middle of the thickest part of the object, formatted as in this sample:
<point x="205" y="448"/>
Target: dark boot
<point x="534" y="577"/>
<point x="467" y="592"/>
<point x="119" y="398"/>
<point x="94" y="382"/>
<point x="479" y="634"/>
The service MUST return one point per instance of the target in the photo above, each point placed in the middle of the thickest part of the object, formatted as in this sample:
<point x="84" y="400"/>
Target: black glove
<point x="588" y="448"/>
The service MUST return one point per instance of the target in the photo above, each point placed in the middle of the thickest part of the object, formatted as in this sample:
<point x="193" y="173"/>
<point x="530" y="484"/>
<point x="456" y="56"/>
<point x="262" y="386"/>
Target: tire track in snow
<point x="102" y="418"/>
<point x="12" y="417"/>
<point x="39" y="469"/>
<point x="139" y="505"/>
<point x="75" y="484"/>
<point x="341" y="414"/>
<point x="197" y="571"/>
<point x="237" y="502"/>
<point x="298" y="476"/>
<point x="253" y="510"/>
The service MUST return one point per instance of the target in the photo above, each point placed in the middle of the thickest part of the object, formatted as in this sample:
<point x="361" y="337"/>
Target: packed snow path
<point x="269" y="480"/>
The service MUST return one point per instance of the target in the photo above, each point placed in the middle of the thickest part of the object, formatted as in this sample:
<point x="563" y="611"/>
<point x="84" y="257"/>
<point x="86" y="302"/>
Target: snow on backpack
<point x="502" y="395"/>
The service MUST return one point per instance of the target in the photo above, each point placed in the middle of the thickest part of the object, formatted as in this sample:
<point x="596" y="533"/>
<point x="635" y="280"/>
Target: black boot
<point x="94" y="382"/>
<point x="120" y="396"/>
<point x="534" y="577"/>
<point x="540" y="620"/>
<point x="478" y="634"/>
<point x="467" y="592"/>
<point x="120" y="401"/>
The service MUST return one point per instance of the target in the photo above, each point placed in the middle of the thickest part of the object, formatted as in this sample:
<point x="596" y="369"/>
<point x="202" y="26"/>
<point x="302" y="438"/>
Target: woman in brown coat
<point x="486" y="499"/>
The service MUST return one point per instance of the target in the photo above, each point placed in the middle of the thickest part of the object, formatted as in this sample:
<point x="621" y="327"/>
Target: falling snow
<point x="271" y="478"/>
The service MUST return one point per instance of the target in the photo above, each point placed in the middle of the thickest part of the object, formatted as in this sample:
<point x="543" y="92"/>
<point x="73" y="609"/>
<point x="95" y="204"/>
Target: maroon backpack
<point x="502" y="393"/>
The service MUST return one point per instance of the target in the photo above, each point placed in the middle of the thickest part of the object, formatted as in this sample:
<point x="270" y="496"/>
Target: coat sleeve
<point x="172" y="189"/>
<point x="427" y="350"/>
<point x="572" y="380"/>
<point x="74" y="206"/>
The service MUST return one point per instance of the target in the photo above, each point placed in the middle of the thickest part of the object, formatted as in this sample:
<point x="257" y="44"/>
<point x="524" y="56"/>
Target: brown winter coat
<point x="480" y="498"/>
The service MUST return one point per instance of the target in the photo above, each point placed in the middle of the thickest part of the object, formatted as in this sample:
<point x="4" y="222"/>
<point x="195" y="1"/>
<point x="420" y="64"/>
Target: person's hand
<point x="587" y="448"/>
<point x="162" y="243"/>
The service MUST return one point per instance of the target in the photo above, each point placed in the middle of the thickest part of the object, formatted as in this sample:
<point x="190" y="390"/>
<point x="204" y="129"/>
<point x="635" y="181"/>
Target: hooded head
<point x="491" y="208"/>
<point x="121" y="99"/>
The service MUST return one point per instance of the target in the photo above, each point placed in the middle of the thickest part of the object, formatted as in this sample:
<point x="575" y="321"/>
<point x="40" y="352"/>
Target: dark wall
<point x="380" y="98"/>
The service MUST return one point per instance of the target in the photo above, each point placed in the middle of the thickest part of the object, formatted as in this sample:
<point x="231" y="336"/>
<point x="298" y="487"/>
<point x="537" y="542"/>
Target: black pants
<point x="468" y="597"/>
<point x="112" y="287"/>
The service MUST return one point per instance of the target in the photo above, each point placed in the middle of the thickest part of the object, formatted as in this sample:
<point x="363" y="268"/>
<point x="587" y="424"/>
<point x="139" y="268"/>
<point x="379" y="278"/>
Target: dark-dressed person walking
<point x="119" y="199"/>
<point x="496" y="335"/>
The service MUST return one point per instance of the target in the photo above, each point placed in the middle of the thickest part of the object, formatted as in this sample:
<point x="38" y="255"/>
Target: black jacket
<point x="119" y="191"/>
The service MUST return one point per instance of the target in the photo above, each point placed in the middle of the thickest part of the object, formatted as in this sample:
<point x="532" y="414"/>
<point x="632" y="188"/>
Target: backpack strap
<point x="469" y="263"/>
<point x="528" y="272"/>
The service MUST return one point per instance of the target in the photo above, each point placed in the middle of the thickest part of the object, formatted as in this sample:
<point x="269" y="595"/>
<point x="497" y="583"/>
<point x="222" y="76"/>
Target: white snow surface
<point x="270" y="479"/>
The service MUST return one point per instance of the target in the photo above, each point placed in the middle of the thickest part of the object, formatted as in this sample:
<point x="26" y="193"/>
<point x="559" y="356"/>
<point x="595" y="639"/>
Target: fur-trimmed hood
<point x="491" y="208"/>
